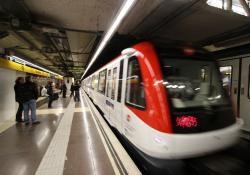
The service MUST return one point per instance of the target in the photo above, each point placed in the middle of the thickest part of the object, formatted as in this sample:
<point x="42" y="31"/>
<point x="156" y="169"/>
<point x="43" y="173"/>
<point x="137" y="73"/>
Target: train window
<point x="102" y="81"/>
<point x="119" y="93"/>
<point x="96" y="82"/>
<point x="114" y="83"/>
<point x="226" y="72"/>
<point x="108" y="84"/>
<point x="206" y="73"/>
<point x="88" y="82"/>
<point x="134" y="88"/>
<point x="92" y="82"/>
<point x="193" y="85"/>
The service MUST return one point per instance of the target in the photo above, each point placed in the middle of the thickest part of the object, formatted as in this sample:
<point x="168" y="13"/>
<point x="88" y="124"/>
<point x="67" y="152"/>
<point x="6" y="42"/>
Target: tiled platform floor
<point x="22" y="147"/>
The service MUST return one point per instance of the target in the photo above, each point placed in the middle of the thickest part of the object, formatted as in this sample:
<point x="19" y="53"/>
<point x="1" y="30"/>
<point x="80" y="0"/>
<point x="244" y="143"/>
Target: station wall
<point x="8" y="105"/>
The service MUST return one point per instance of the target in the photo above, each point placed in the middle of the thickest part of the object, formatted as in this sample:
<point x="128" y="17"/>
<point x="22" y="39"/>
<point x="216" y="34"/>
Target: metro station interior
<point x="124" y="87"/>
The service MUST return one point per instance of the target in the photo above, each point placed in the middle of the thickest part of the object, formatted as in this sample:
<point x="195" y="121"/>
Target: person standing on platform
<point x="64" y="90"/>
<point x="19" y="88"/>
<point x="29" y="97"/>
<point x="72" y="90"/>
<point x="77" y="93"/>
<point x="44" y="92"/>
<point x="50" y="93"/>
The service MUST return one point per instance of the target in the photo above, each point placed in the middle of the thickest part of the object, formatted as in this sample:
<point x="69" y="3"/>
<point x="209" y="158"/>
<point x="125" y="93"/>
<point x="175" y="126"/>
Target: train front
<point x="201" y="112"/>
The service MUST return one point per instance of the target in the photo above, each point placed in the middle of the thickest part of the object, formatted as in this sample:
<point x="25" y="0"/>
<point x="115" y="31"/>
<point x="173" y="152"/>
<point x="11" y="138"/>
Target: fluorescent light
<point x="22" y="61"/>
<point x="118" y="19"/>
<point x="236" y="6"/>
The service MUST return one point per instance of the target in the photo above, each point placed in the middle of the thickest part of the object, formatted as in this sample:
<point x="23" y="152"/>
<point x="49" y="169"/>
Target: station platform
<point x="72" y="138"/>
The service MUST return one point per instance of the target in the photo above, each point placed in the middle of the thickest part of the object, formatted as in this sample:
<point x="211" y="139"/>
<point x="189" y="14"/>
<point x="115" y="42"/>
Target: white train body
<point x="149" y="111"/>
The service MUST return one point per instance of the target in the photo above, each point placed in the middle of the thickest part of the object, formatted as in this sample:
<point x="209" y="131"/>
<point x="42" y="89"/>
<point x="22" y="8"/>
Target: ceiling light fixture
<point x="22" y="61"/>
<point x="127" y="5"/>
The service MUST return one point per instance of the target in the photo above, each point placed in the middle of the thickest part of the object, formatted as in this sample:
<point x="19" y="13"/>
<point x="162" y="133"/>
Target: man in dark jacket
<point x="50" y="93"/>
<point x="64" y="90"/>
<point x="72" y="90"/>
<point x="19" y="88"/>
<point x="29" y="97"/>
<point x="77" y="89"/>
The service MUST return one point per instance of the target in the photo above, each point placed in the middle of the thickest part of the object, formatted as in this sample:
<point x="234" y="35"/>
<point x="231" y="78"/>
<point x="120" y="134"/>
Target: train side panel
<point x="105" y="94"/>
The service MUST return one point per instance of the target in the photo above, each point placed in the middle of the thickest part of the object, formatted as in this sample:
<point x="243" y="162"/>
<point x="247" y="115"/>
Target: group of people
<point x="49" y="91"/>
<point x="26" y="94"/>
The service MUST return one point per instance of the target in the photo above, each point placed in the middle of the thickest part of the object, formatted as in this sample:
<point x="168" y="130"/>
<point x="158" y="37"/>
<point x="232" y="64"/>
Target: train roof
<point x="170" y="49"/>
<point x="182" y="50"/>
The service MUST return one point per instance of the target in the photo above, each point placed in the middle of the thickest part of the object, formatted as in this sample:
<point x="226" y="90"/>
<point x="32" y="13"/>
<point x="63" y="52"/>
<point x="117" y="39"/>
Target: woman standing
<point x="19" y="88"/>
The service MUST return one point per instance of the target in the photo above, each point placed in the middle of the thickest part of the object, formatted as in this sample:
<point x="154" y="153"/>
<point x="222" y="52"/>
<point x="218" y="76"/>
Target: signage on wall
<point x="20" y="67"/>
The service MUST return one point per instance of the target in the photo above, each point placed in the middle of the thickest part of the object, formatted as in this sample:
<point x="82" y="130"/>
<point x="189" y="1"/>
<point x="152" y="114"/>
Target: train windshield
<point x="193" y="83"/>
<point x="199" y="102"/>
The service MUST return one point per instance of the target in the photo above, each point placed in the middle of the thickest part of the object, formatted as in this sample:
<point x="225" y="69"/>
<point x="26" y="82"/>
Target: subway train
<point x="169" y="103"/>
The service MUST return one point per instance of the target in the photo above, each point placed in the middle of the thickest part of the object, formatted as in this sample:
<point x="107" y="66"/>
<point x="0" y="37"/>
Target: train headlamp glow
<point x="128" y="51"/>
<point x="189" y="51"/>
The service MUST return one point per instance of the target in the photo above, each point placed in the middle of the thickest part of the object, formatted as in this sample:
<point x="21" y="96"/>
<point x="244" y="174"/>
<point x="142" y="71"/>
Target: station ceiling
<point x="59" y="35"/>
<point x="62" y="35"/>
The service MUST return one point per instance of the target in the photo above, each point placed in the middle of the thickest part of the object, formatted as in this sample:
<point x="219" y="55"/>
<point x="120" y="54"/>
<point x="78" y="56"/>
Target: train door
<point x="120" y="95"/>
<point x="230" y="79"/>
<point x="114" y="107"/>
<point x="108" y="95"/>
<point x="245" y="93"/>
<point x="101" y="91"/>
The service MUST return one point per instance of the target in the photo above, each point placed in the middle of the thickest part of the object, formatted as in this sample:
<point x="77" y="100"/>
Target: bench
<point x="41" y="100"/>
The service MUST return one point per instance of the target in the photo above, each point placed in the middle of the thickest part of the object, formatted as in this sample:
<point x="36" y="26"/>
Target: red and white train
<point x="169" y="104"/>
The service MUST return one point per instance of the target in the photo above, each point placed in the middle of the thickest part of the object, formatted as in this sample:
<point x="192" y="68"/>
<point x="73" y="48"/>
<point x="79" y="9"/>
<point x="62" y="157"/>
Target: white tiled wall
<point x="8" y="106"/>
